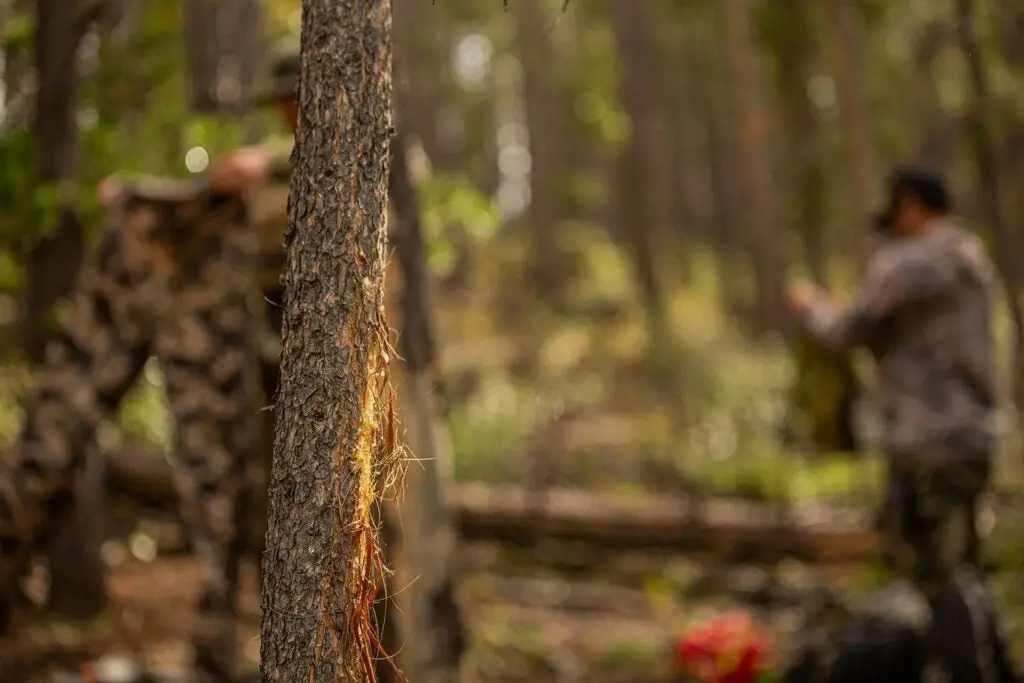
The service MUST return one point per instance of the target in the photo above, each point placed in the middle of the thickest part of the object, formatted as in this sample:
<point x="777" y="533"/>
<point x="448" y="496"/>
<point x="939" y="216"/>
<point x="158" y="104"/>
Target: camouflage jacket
<point x="269" y="213"/>
<point x="924" y="310"/>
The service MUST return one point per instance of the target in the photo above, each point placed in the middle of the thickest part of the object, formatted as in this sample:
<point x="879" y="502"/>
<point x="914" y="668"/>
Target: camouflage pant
<point x="929" y="519"/>
<point x="172" y="279"/>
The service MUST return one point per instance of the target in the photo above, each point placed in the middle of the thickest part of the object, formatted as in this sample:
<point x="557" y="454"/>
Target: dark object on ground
<point x="871" y="649"/>
<point x="897" y="636"/>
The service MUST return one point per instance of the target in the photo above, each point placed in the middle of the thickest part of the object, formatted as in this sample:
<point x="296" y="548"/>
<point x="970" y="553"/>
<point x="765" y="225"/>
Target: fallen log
<point x="731" y="529"/>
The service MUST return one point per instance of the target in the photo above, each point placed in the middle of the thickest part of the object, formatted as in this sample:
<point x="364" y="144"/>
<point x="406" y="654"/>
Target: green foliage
<point x="450" y="203"/>
<point x="18" y="31"/>
<point x="30" y="207"/>
<point x="144" y="414"/>
<point x="216" y="135"/>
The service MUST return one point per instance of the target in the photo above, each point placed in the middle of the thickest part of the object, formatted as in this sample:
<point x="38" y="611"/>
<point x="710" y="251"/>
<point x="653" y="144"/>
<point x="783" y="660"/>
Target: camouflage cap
<point x="284" y="76"/>
<point x="924" y="184"/>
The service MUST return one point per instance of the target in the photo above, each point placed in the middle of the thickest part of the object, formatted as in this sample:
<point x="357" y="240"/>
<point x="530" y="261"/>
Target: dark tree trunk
<point x="938" y="134"/>
<point x="727" y="232"/>
<point x="76" y="571"/>
<point x="54" y="261"/>
<point x="796" y="51"/>
<point x="200" y="27"/>
<point x="637" y="211"/>
<point x="224" y="41"/>
<point x="844" y="17"/>
<point x="753" y="164"/>
<point x="990" y="186"/>
<point x="543" y="120"/>
<point x="429" y="541"/>
<point x="331" y="442"/>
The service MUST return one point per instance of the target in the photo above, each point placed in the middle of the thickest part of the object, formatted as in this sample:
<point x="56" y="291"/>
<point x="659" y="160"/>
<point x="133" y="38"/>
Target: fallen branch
<point x="730" y="528"/>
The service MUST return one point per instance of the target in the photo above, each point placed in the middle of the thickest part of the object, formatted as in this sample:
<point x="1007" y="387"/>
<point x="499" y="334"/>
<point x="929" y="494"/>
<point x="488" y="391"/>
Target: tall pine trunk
<point x="332" y="440"/>
<point x="431" y="614"/>
<point x="753" y="164"/>
<point x="851" y="68"/>
<point x="983" y="145"/>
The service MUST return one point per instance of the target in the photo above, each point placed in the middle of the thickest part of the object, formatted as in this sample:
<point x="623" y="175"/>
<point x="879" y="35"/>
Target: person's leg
<point x="964" y="641"/>
<point x="896" y="519"/>
<point x="101" y="345"/>
<point x="209" y="353"/>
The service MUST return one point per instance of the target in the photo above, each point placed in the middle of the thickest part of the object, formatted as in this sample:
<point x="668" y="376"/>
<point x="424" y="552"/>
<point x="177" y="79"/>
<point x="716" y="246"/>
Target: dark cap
<point x="923" y="184"/>
<point x="284" y="76"/>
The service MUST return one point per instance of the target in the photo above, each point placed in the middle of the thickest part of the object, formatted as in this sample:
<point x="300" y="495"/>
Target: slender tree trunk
<point x="990" y="186"/>
<point x="76" y="571"/>
<point x="421" y="35"/>
<point x="637" y="213"/>
<point x="543" y="120"/>
<point x="202" y="49"/>
<point x="429" y="540"/>
<point x="726" y="199"/>
<point x="758" y="198"/>
<point x="936" y="144"/>
<point x="845" y="20"/>
<point x="795" y="52"/>
<point x="332" y="442"/>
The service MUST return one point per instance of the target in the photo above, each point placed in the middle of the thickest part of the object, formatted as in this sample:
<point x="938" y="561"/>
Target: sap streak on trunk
<point x="332" y="436"/>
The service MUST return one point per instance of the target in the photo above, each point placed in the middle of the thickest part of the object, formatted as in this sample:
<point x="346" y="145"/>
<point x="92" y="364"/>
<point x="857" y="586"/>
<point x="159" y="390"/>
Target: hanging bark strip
<point x="334" y="436"/>
<point x="173" y="277"/>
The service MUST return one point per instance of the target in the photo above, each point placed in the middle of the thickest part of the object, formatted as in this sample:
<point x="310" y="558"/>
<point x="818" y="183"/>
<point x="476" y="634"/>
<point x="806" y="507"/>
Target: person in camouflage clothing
<point x="924" y="311"/>
<point x="262" y="175"/>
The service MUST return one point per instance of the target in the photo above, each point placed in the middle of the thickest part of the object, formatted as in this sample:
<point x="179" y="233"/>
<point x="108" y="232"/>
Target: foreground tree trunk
<point x="332" y="440"/>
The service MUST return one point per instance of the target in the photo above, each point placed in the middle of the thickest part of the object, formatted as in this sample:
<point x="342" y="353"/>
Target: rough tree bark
<point x="428" y="537"/>
<point x="990" y="187"/>
<point x="332" y="441"/>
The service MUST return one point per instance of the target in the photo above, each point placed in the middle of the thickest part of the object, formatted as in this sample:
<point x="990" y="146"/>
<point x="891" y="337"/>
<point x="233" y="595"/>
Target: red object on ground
<point x="727" y="649"/>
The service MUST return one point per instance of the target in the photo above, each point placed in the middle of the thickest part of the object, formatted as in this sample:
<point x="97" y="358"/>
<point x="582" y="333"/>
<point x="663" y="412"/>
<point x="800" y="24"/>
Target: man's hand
<point x="240" y="170"/>
<point x="802" y="294"/>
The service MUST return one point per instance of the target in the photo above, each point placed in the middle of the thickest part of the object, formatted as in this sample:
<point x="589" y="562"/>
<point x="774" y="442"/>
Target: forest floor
<point x="528" y="620"/>
<point x="526" y="623"/>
